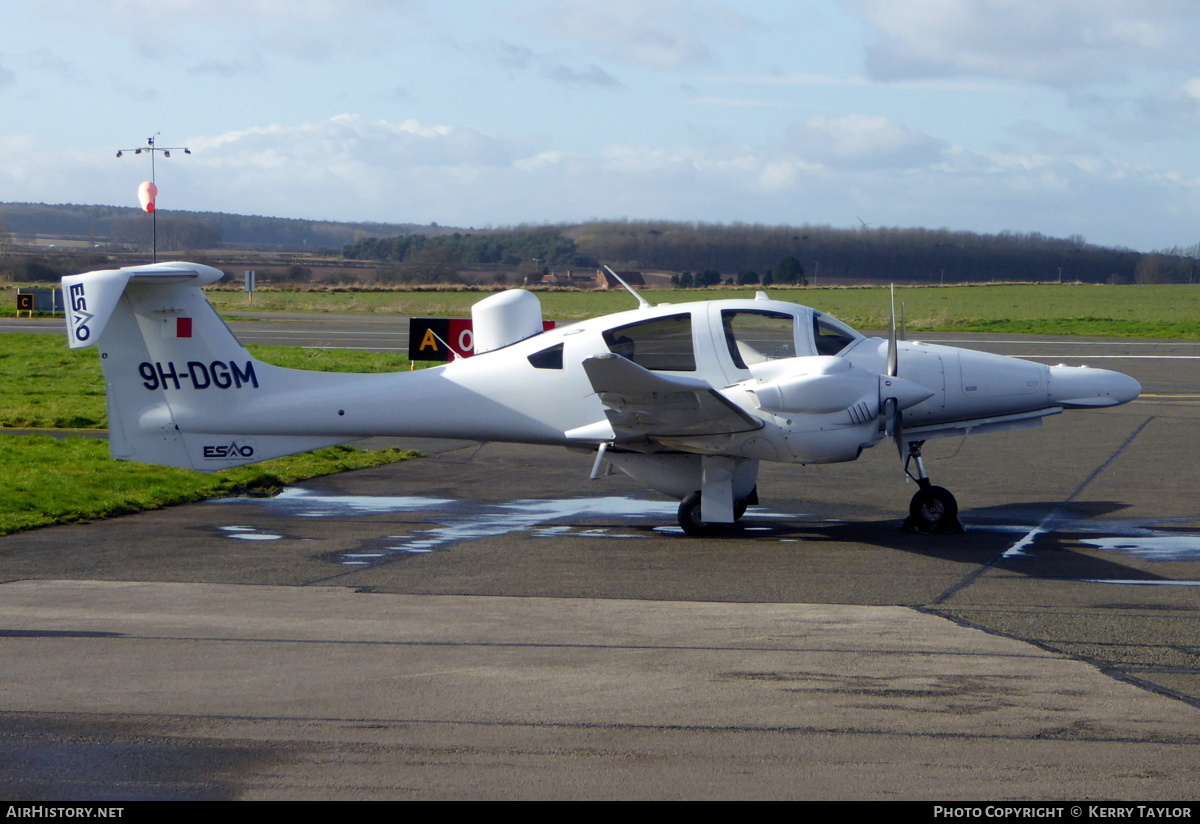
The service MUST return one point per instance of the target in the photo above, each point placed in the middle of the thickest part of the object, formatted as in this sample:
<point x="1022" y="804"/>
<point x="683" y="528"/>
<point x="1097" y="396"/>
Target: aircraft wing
<point x="641" y="404"/>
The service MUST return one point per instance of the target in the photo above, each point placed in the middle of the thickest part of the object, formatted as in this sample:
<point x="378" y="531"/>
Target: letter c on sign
<point x="466" y="341"/>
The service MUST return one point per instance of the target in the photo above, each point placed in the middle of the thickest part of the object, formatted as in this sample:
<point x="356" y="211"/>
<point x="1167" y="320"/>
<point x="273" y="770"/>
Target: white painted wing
<point x="641" y="404"/>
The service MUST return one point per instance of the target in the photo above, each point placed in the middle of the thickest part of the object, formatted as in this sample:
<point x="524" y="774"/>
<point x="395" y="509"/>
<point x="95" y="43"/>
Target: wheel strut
<point x="932" y="509"/>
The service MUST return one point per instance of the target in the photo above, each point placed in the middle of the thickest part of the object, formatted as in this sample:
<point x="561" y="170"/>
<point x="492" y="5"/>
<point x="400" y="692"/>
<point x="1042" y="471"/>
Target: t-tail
<point x="169" y="358"/>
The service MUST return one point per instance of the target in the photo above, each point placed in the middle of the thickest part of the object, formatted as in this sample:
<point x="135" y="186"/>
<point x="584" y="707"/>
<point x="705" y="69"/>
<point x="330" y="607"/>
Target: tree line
<point x="548" y="246"/>
<point x="824" y="252"/>
<point x="129" y="226"/>
<point x="707" y="253"/>
<point x="697" y="253"/>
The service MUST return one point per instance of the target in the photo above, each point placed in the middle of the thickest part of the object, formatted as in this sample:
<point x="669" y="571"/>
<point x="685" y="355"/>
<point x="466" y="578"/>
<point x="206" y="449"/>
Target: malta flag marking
<point x="183" y="328"/>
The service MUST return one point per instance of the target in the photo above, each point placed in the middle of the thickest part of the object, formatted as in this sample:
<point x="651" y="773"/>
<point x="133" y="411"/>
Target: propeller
<point x="889" y="401"/>
<point x="893" y="364"/>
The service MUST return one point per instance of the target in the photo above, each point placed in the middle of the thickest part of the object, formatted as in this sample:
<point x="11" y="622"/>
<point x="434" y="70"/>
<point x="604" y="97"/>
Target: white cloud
<point x="216" y="33"/>
<point x="660" y="34"/>
<point x="864" y="142"/>
<point x="1063" y="43"/>
<point x="354" y="141"/>
<point x="593" y="75"/>
<point x="1051" y="141"/>
<point x="1191" y="88"/>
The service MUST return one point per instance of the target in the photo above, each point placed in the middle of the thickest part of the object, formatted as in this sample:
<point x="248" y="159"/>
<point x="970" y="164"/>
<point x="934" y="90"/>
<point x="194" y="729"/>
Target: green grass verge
<point x="45" y="385"/>
<point x="67" y="480"/>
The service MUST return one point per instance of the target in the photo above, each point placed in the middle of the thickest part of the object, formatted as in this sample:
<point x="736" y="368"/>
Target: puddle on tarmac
<point x="464" y="520"/>
<point x="303" y="503"/>
<point x="1158" y="539"/>
<point x="248" y="533"/>
<point x="459" y="521"/>
<point x="1152" y="547"/>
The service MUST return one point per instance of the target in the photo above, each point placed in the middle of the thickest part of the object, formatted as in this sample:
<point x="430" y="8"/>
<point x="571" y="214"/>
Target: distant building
<point x="570" y="278"/>
<point x="599" y="280"/>
<point x="606" y="281"/>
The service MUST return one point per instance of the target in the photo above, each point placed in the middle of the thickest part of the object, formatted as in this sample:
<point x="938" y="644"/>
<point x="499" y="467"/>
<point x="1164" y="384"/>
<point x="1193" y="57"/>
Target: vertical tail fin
<point x="166" y="355"/>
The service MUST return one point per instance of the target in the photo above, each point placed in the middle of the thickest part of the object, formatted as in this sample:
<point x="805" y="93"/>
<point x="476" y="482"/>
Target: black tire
<point x="691" y="520"/>
<point x="933" y="509"/>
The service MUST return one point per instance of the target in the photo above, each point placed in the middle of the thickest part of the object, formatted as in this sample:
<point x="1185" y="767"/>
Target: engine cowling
<point x="825" y="385"/>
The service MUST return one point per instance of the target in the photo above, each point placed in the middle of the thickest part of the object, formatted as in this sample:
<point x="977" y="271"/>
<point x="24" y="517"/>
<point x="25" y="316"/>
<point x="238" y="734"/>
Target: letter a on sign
<point x="429" y="341"/>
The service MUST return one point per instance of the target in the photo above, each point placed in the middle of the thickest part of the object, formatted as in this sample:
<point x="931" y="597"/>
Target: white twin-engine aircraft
<point x="686" y="399"/>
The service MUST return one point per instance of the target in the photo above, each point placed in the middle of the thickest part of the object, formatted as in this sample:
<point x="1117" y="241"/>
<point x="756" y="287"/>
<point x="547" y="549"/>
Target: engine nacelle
<point x="815" y="386"/>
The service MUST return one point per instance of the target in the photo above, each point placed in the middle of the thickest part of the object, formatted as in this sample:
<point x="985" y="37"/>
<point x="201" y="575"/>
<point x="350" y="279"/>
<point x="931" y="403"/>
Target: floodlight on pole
<point x="148" y="191"/>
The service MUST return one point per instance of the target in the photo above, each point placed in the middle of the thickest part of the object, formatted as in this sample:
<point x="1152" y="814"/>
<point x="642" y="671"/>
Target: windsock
<point x="146" y="194"/>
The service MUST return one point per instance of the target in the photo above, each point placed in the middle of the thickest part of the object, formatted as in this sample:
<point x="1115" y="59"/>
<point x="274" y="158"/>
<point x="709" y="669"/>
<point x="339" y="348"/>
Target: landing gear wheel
<point x="933" y="509"/>
<point x="692" y="522"/>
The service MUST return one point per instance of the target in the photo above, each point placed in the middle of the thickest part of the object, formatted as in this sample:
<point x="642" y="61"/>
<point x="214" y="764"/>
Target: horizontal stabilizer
<point x="92" y="297"/>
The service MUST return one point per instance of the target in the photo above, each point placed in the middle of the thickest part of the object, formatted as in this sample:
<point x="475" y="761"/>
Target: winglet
<point x="90" y="300"/>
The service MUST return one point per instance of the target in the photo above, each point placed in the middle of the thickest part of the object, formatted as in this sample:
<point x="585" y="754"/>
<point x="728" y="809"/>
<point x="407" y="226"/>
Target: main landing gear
<point x="932" y="509"/>
<point x="691" y="520"/>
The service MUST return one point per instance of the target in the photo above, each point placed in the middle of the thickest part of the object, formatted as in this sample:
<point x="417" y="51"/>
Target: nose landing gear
<point x="932" y="509"/>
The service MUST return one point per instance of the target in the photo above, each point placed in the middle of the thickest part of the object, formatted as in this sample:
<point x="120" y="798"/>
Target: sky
<point x="1062" y="117"/>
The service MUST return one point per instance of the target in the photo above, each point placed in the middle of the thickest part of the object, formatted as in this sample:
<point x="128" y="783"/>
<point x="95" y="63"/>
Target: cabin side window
<point x="551" y="358"/>
<point x="755" y="336"/>
<point x="661" y="344"/>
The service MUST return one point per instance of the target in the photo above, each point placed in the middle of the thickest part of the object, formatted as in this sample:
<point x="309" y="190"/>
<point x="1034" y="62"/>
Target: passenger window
<point x="756" y="336"/>
<point x="551" y="358"/>
<point x="831" y="335"/>
<point x="662" y="344"/>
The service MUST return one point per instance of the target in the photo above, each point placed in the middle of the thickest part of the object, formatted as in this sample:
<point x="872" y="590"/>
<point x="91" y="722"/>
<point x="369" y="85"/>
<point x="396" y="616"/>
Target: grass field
<point x="64" y="480"/>
<point x="1151" y="311"/>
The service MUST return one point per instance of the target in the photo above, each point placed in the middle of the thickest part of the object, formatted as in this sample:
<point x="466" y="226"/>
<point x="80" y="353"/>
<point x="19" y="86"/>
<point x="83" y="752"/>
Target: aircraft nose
<point x="1076" y="386"/>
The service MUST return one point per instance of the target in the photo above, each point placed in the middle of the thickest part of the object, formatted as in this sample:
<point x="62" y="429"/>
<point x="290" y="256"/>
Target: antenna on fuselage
<point x="642" y="302"/>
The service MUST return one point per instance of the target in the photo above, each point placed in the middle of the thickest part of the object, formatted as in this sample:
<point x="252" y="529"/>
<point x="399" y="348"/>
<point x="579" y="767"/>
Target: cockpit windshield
<point x="831" y="335"/>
